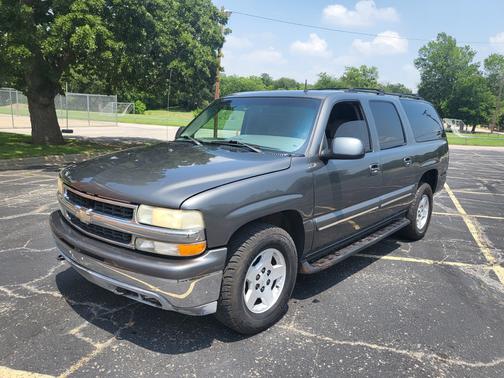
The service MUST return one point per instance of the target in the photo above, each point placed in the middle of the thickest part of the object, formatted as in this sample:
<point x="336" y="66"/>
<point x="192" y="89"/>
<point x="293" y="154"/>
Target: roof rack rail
<point x="406" y="95"/>
<point x="378" y="91"/>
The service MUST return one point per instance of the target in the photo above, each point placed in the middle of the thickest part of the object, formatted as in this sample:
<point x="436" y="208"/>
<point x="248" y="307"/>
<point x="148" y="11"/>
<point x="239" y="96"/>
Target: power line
<point x="324" y="28"/>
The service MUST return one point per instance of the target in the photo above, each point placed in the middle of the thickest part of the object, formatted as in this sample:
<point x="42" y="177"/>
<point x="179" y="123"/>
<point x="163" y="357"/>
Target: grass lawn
<point x="151" y="117"/>
<point x="158" y="117"/>
<point x="480" y="139"/>
<point x="19" y="146"/>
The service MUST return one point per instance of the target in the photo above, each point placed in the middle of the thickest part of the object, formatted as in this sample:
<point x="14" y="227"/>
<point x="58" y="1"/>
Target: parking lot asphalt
<point x="429" y="308"/>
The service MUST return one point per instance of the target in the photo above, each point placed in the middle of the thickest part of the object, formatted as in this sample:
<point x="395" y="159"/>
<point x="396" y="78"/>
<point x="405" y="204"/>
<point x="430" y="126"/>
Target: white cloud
<point x="365" y="14"/>
<point x="269" y="56"/>
<point x="386" y="43"/>
<point x="497" y="41"/>
<point x="233" y="42"/>
<point x="314" y="46"/>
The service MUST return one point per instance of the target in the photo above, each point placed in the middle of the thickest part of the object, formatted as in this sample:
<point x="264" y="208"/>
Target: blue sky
<point x="257" y="46"/>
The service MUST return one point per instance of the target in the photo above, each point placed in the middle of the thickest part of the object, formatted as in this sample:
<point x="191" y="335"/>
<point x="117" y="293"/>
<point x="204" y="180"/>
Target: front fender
<point x="229" y="207"/>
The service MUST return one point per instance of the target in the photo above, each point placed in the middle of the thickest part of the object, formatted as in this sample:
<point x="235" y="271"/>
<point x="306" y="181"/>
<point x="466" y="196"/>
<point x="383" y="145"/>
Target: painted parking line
<point x="416" y="354"/>
<point x="99" y="348"/>
<point x="468" y="215"/>
<point x="476" y="233"/>
<point x="423" y="261"/>
<point x="6" y="372"/>
<point x="495" y="171"/>
<point x="474" y="178"/>
<point x="473" y="192"/>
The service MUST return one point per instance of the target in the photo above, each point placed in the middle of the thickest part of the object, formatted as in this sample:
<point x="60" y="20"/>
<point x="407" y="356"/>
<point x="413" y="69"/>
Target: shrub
<point x="140" y="107"/>
<point x="196" y="112"/>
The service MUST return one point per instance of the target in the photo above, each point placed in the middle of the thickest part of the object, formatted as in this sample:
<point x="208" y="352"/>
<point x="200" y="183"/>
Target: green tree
<point x="471" y="100"/>
<point x="286" y="83"/>
<point x="442" y="65"/>
<point x="326" y="80"/>
<point x="360" y="77"/>
<point x="38" y="43"/>
<point x="126" y="46"/>
<point x="353" y="77"/>
<point x="396" y="88"/>
<point x="234" y="84"/>
<point x="267" y="80"/>
<point x="494" y="73"/>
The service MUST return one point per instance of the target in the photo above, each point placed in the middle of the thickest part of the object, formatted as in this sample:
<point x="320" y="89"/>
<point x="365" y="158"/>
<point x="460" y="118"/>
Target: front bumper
<point x="189" y="286"/>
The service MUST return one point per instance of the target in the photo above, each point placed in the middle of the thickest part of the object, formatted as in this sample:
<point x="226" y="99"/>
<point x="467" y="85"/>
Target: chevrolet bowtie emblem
<point x="84" y="215"/>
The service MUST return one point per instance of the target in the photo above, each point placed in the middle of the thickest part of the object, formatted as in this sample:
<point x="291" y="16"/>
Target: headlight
<point x="168" y="218"/>
<point x="60" y="185"/>
<point x="170" y="249"/>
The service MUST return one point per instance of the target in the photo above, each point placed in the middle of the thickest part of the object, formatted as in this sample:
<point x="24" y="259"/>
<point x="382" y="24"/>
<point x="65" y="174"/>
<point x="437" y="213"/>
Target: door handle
<point x="407" y="161"/>
<point x="374" y="168"/>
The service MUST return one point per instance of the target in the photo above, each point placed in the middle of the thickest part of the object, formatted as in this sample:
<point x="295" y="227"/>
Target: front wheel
<point x="419" y="213"/>
<point x="258" y="279"/>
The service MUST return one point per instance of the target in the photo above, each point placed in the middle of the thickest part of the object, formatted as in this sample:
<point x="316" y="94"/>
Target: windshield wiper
<point x="237" y="143"/>
<point x="194" y="140"/>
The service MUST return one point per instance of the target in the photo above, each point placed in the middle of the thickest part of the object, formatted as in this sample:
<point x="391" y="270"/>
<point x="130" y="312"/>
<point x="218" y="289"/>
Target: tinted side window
<point x="423" y="119"/>
<point x="388" y="124"/>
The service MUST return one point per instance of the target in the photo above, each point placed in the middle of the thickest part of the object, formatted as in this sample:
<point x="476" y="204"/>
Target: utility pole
<point x="217" y="74"/>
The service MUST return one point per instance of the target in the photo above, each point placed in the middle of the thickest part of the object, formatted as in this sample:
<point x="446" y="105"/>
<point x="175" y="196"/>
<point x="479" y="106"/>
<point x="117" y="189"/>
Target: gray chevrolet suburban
<point x="258" y="188"/>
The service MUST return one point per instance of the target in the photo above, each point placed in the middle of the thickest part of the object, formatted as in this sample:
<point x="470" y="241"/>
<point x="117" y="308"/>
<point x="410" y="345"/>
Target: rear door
<point x="396" y="160"/>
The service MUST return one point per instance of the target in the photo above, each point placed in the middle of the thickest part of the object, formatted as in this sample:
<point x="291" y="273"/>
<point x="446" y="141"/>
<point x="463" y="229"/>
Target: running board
<point x="335" y="257"/>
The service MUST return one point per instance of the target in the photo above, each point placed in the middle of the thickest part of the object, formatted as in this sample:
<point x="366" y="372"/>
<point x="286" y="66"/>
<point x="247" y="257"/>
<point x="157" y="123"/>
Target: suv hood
<point x="166" y="174"/>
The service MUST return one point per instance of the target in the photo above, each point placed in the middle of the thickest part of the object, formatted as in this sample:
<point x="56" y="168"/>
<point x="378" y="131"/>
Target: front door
<point x="347" y="192"/>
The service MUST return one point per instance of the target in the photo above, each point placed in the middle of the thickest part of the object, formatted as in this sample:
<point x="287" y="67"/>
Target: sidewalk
<point x="122" y="130"/>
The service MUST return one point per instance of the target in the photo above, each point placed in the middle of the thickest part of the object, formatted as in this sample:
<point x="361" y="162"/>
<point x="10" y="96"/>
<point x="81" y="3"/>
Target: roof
<point x="324" y="93"/>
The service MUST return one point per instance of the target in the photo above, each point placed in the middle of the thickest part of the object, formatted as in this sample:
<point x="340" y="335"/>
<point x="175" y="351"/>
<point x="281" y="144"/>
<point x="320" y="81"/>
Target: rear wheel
<point x="419" y="213"/>
<point x="258" y="279"/>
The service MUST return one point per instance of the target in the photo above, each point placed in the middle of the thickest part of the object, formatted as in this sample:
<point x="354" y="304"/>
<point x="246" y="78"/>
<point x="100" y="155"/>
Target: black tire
<point x="244" y="249"/>
<point x="413" y="231"/>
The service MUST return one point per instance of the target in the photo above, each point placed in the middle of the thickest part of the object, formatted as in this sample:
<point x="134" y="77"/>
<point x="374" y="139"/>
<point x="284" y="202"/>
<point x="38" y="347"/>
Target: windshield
<point x="282" y="124"/>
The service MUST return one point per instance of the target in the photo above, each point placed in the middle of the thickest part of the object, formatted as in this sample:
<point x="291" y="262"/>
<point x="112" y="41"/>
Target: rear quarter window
<point x="423" y="119"/>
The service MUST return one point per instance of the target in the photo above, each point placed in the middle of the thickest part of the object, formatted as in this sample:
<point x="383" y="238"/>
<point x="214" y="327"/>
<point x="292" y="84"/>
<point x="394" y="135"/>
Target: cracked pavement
<point x="429" y="308"/>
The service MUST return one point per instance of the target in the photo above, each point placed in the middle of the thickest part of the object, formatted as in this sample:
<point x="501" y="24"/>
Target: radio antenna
<point x="306" y="85"/>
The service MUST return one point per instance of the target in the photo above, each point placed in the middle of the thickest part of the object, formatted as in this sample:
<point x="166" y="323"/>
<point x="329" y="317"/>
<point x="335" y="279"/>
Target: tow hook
<point x="60" y="257"/>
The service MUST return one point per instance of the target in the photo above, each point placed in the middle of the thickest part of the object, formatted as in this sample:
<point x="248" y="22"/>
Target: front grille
<point x="100" y="207"/>
<point x="103" y="232"/>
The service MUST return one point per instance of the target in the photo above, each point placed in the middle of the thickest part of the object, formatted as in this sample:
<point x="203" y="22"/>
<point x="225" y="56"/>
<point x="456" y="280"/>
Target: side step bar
<point x="335" y="257"/>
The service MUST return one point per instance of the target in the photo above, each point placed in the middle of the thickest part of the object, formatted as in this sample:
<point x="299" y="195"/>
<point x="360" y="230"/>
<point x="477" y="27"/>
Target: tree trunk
<point x="44" y="122"/>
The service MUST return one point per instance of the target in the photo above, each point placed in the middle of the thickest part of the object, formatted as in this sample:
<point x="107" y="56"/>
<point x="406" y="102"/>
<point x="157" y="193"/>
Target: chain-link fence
<point x="74" y="109"/>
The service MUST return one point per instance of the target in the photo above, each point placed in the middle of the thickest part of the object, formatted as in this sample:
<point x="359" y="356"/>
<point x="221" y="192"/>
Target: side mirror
<point x="344" y="148"/>
<point x="179" y="132"/>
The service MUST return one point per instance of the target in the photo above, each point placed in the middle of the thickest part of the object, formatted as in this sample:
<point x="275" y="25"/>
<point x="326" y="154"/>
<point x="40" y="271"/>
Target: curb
<point x="44" y="161"/>
<point x="469" y="147"/>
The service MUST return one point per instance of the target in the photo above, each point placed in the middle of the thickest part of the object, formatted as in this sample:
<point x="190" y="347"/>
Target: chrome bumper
<point x="193" y="296"/>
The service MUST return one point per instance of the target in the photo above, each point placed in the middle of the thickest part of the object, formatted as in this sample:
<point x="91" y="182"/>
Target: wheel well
<point x="290" y="220"/>
<point x="431" y="178"/>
